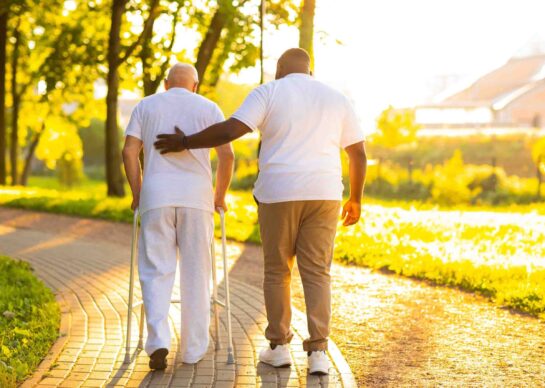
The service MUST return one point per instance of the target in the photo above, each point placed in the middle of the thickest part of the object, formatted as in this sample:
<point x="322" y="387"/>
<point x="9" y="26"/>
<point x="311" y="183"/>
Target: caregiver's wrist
<point x="185" y="142"/>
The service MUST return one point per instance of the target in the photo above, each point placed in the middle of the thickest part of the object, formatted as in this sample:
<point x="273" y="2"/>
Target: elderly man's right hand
<point x="135" y="202"/>
<point x="219" y="203"/>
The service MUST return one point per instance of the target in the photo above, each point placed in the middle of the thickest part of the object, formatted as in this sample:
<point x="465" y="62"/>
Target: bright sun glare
<point x="403" y="53"/>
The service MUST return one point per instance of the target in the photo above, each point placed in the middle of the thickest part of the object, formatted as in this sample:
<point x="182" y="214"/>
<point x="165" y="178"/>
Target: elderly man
<point x="303" y="124"/>
<point x="176" y="203"/>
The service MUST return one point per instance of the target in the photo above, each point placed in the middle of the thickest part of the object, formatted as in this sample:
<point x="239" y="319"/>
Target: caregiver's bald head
<point x="294" y="60"/>
<point x="182" y="75"/>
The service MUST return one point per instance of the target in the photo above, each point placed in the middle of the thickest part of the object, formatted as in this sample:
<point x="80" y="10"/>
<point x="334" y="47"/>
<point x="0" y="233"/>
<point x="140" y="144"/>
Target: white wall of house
<point x="445" y="116"/>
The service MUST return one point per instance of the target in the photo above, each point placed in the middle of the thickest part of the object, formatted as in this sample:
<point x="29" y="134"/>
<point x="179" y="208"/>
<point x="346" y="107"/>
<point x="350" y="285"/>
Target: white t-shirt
<point x="181" y="179"/>
<point x="304" y="124"/>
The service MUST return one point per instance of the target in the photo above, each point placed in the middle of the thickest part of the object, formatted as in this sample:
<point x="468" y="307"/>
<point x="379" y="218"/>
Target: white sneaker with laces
<point x="318" y="363"/>
<point x="277" y="357"/>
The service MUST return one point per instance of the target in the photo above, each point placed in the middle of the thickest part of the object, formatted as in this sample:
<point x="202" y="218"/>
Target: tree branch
<point x="172" y="38"/>
<point x="147" y="25"/>
<point x="164" y="65"/>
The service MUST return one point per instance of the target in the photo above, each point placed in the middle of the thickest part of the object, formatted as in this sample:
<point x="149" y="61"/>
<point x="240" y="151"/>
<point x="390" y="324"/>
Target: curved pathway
<point x="86" y="263"/>
<point x="395" y="332"/>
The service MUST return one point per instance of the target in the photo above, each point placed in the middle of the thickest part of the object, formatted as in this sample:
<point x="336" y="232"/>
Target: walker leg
<point x="230" y="352"/>
<point x="131" y="286"/>
<point x="215" y="295"/>
<point x="141" y="328"/>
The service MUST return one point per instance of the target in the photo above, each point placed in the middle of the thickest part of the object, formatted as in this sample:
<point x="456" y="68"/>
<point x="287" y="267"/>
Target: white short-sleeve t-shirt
<point x="304" y="124"/>
<point x="182" y="179"/>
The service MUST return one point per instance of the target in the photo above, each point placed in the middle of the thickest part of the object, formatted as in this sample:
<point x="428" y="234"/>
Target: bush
<point x="245" y="175"/>
<point x="513" y="153"/>
<point x="69" y="170"/>
<point x="451" y="183"/>
<point x="29" y="321"/>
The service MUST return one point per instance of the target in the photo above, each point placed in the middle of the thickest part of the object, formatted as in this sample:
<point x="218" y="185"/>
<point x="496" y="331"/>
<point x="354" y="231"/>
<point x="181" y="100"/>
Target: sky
<point x="398" y="51"/>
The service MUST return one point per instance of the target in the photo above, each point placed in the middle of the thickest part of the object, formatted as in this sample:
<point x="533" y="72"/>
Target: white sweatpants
<point x="164" y="233"/>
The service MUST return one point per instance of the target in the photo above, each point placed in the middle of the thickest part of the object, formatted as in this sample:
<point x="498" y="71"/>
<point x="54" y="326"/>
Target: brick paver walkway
<point x="86" y="263"/>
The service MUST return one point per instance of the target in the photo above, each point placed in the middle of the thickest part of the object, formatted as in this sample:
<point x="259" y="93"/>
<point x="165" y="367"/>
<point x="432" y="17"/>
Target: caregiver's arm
<point x="226" y="159"/>
<point x="357" y="169"/>
<point x="213" y="136"/>
<point x="131" y="152"/>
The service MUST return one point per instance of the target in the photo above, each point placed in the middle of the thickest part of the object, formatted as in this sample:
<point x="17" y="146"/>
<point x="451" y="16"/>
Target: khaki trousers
<point x="305" y="229"/>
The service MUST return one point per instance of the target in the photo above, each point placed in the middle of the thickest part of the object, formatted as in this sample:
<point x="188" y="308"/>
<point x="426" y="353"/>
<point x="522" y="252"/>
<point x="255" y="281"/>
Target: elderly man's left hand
<point x="170" y="143"/>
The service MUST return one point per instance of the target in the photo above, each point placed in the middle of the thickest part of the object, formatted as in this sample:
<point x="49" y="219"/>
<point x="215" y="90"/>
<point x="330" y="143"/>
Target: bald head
<point x="294" y="60"/>
<point x="182" y="75"/>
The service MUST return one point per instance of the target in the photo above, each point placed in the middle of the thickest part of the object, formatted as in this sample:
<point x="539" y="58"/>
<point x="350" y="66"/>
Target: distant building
<point x="510" y="96"/>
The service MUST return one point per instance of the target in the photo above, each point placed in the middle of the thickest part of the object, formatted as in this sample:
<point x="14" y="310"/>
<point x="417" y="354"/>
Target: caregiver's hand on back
<point x="170" y="142"/>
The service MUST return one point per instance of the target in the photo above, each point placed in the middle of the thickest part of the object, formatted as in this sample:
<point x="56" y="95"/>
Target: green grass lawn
<point x="29" y="321"/>
<point x="500" y="254"/>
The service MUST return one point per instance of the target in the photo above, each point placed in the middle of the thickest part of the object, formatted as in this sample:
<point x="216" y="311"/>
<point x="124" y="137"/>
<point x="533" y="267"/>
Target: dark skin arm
<point x="213" y="136"/>
<point x="357" y="164"/>
<point x="231" y="129"/>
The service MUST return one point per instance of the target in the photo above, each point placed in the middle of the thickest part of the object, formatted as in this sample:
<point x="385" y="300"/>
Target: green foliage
<point x="29" y="321"/>
<point x="70" y="170"/>
<point x="238" y="48"/>
<point x="92" y="139"/>
<point x="396" y="128"/>
<point x="58" y="51"/>
<point x="146" y="68"/>
<point x="510" y="152"/>
<point x="538" y="154"/>
<point x="229" y="96"/>
<point x="450" y="183"/>
<point x="246" y="166"/>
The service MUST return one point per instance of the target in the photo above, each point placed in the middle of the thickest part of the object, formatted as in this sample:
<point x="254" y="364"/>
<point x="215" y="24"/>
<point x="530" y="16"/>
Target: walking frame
<point x="215" y="302"/>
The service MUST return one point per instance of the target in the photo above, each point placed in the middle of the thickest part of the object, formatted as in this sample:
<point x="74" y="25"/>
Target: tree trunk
<point x="30" y="156"/>
<point x="306" y="29"/>
<point x="3" y="44"/>
<point x="146" y="54"/>
<point x="262" y="12"/>
<point x="539" y="177"/>
<point x="210" y="42"/>
<point x="114" y="177"/>
<point x="14" y="150"/>
<point x="16" y="105"/>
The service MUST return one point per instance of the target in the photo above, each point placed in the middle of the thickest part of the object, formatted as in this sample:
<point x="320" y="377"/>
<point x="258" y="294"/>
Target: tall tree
<point x="213" y="35"/>
<point x="20" y="34"/>
<point x="52" y="71"/>
<point x="306" y="28"/>
<point x="46" y="53"/>
<point x="115" y="58"/>
<point x="16" y="95"/>
<point x="3" y="47"/>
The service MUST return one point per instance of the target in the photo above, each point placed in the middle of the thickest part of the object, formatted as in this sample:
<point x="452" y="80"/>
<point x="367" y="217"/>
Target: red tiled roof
<point x="516" y="73"/>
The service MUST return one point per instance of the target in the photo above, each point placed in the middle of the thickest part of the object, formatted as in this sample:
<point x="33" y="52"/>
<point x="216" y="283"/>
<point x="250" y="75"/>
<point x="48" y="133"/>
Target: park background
<point x="451" y="95"/>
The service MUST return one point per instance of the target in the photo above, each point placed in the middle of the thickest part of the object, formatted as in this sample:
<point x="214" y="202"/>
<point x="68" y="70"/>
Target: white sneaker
<point x="318" y="363"/>
<point x="277" y="357"/>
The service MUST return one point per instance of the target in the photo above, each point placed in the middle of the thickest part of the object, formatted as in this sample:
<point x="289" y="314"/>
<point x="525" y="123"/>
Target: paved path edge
<point x="64" y="335"/>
